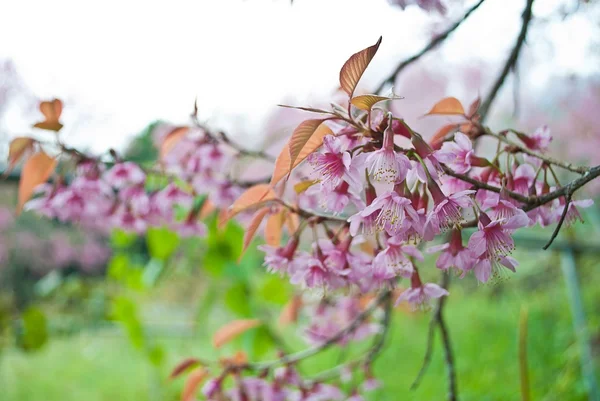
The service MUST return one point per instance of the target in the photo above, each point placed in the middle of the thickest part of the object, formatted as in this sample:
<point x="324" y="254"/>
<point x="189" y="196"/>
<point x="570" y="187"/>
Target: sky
<point x="120" y="65"/>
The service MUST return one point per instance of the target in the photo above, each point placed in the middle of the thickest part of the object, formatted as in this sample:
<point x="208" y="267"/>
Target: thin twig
<point x="449" y="357"/>
<point x="380" y="340"/>
<point x="434" y="42"/>
<point x="368" y="357"/>
<point x="293" y="358"/>
<point x="482" y="185"/>
<point x="433" y="323"/>
<point x="428" y="350"/>
<point x="560" y="222"/>
<point x="548" y="160"/>
<point x="510" y="63"/>
<point x="570" y="189"/>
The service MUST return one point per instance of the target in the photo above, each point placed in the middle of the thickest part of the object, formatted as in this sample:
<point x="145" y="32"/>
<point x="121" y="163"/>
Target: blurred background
<point x="103" y="316"/>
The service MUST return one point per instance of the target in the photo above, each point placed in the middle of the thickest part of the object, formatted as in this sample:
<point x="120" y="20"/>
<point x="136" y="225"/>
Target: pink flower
<point x="279" y="259"/>
<point x="493" y="243"/>
<point x="123" y="174"/>
<point x="523" y="178"/>
<point x="395" y="256"/>
<point x="137" y="199"/>
<point x="125" y="219"/>
<point x="334" y="199"/>
<point x="421" y="295"/>
<point x="454" y="254"/>
<point x="431" y="160"/>
<point x="460" y="151"/>
<point x="572" y="213"/>
<point x="392" y="212"/>
<point x="485" y="267"/>
<point x="447" y="212"/>
<point x="333" y="165"/>
<point x="190" y="227"/>
<point x="311" y="272"/>
<point x="169" y="196"/>
<point x="385" y="164"/>
<point x="539" y="140"/>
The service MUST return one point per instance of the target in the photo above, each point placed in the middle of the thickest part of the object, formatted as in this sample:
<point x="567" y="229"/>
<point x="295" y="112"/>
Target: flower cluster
<point x="119" y="195"/>
<point x="369" y="195"/>
<point x="286" y="383"/>
<point x="43" y="253"/>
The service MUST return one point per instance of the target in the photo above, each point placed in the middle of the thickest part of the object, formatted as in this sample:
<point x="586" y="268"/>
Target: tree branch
<point x="510" y="63"/>
<point x="449" y="357"/>
<point x="546" y="159"/>
<point x="560" y="222"/>
<point x="293" y="358"/>
<point x="437" y="320"/>
<point x="434" y="42"/>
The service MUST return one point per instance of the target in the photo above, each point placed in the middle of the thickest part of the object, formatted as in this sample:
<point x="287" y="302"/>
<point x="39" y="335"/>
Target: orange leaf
<point x="300" y="137"/>
<point x="439" y="136"/>
<point x="448" y="106"/>
<point x="233" y="329"/>
<point x="240" y="358"/>
<point x="171" y="139"/>
<point x="253" y="196"/>
<point x="192" y="383"/>
<point x="273" y="229"/>
<point x="223" y="217"/>
<point x="292" y="222"/>
<point x="289" y="313"/>
<point x="17" y="148"/>
<point x="282" y="164"/>
<point x="183" y="366"/>
<point x="474" y="107"/>
<point x="355" y="66"/>
<point x="36" y="171"/>
<point x="51" y="111"/>
<point x="366" y="102"/>
<point x="253" y="226"/>
<point x="207" y="208"/>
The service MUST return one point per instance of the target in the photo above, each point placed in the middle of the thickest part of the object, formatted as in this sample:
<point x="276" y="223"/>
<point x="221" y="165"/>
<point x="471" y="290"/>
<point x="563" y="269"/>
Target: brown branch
<point x="482" y="185"/>
<point x="222" y="137"/>
<point x="570" y="189"/>
<point x="433" y="44"/>
<point x="428" y="349"/>
<point x="293" y="358"/>
<point x="380" y="340"/>
<point x="449" y="358"/>
<point x="546" y="159"/>
<point x="560" y="222"/>
<point x="436" y="320"/>
<point x="510" y="63"/>
<point x="309" y="214"/>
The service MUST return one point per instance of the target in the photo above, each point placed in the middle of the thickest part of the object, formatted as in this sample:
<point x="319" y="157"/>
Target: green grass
<point x="101" y="365"/>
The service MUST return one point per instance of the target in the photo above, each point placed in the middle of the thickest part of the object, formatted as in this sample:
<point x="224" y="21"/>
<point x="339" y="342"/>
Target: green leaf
<point x="161" y="242"/>
<point x="122" y="239"/>
<point x="35" y="329"/>
<point x="48" y="284"/>
<point x="274" y="290"/>
<point x="124" y="311"/>
<point x="223" y="248"/>
<point x="259" y="342"/>
<point x="156" y="355"/>
<point x="236" y="299"/>
<point x="152" y="272"/>
<point x="121" y="269"/>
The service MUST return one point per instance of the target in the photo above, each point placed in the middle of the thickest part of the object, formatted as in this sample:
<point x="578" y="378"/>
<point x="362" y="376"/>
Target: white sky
<point x="121" y="64"/>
